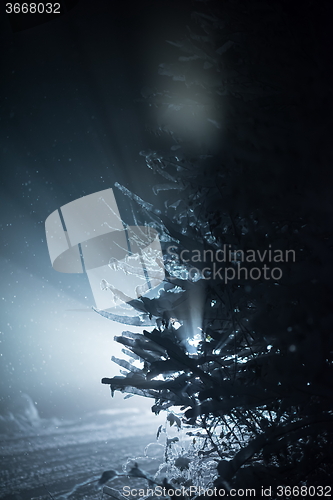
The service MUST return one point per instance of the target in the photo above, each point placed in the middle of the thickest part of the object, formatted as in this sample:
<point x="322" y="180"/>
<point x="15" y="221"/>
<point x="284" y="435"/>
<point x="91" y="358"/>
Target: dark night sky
<point x="70" y="126"/>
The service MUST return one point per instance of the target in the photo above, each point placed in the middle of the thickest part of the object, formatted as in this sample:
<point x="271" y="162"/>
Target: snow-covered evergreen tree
<point x="243" y="122"/>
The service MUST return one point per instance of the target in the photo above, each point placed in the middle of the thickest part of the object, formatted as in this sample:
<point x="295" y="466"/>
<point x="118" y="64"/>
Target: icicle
<point x="147" y="206"/>
<point x="166" y="187"/>
<point x="141" y="320"/>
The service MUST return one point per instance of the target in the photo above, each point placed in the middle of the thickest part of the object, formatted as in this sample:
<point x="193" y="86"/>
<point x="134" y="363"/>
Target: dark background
<point x="71" y="124"/>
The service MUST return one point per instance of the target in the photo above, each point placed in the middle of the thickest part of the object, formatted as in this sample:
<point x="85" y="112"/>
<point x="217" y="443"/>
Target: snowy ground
<point x="41" y="459"/>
